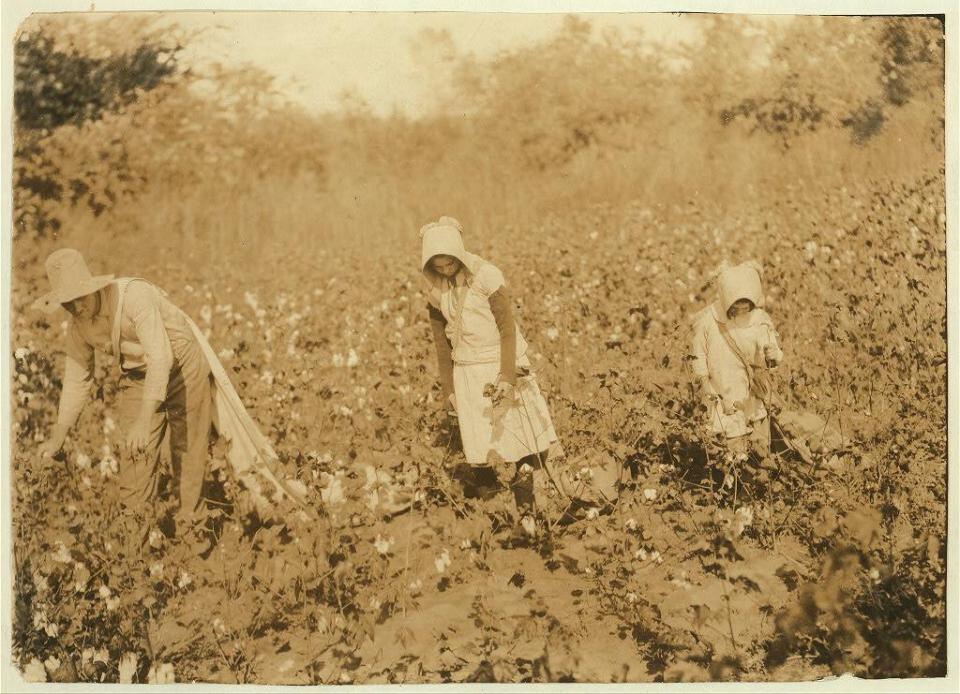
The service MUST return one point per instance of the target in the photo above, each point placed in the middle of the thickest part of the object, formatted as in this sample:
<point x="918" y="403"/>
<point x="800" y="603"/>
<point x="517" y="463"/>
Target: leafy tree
<point x="911" y="58"/>
<point x="106" y="112"/>
<point x="720" y="67"/>
<point x="841" y="73"/>
<point x="64" y="78"/>
<point x="548" y="102"/>
<point x="55" y="87"/>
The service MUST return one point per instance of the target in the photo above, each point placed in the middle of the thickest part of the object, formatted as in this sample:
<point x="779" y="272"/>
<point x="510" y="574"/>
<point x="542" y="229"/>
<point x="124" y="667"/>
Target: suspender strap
<point x="760" y="390"/>
<point x="122" y="285"/>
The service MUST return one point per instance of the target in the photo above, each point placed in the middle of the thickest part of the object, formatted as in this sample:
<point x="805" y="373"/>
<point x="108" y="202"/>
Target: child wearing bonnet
<point x="733" y="342"/>
<point x="485" y="373"/>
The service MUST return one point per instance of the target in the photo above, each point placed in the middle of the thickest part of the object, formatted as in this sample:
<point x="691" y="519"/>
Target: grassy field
<point x="804" y="571"/>
<point x="607" y="176"/>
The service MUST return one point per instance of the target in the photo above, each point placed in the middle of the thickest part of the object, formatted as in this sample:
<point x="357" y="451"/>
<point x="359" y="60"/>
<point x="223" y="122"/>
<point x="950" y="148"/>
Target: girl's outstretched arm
<point x="444" y="352"/>
<point x="500" y="306"/>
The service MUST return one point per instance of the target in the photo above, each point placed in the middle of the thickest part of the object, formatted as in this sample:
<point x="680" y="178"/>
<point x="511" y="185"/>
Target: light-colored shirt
<point x="152" y="333"/>
<point x="715" y="361"/>
<point x="471" y="326"/>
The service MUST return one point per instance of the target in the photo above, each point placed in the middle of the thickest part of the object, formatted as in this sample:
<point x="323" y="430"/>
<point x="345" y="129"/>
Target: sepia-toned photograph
<point x="472" y="347"/>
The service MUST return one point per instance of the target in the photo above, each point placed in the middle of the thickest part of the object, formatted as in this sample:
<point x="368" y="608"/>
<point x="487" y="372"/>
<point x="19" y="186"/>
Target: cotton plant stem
<point x="554" y="523"/>
<point x="452" y="501"/>
<point x="226" y="660"/>
<point x="796" y="498"/>
<point x="543" y="462"/>
<point x="738" y="482"/>
<point x="686" y="510"/>
<point x="733" y="639"/>
<point x="406" y="557"/>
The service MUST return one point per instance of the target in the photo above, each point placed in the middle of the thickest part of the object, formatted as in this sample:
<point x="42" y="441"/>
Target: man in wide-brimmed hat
<point x="164" y="384"/>
<point x="171" y="382"/>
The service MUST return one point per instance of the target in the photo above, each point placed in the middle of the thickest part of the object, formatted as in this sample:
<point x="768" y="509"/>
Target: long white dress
<point x="490" y="435"/>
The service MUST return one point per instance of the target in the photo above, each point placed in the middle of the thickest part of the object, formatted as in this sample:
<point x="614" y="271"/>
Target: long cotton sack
<point x="250" y="453"/>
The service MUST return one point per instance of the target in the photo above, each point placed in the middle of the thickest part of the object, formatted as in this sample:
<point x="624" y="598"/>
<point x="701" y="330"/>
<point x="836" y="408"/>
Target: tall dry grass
<point x="371" y="200"/>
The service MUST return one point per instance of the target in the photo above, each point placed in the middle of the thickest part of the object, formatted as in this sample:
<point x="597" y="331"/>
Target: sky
<point x="315" y="56"/>
<point x="384" y="57"/>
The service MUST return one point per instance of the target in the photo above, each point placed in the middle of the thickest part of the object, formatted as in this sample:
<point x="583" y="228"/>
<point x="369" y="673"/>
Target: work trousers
<point x="186" y="415"/>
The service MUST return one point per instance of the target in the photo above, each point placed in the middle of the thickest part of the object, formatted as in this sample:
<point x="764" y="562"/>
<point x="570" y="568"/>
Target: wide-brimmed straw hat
<point x="70" y="279"/>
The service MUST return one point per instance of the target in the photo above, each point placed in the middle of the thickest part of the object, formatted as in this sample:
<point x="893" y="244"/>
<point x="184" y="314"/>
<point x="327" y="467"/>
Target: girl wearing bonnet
<point x="733" y="342"/>
<point x="484" y="370"/>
